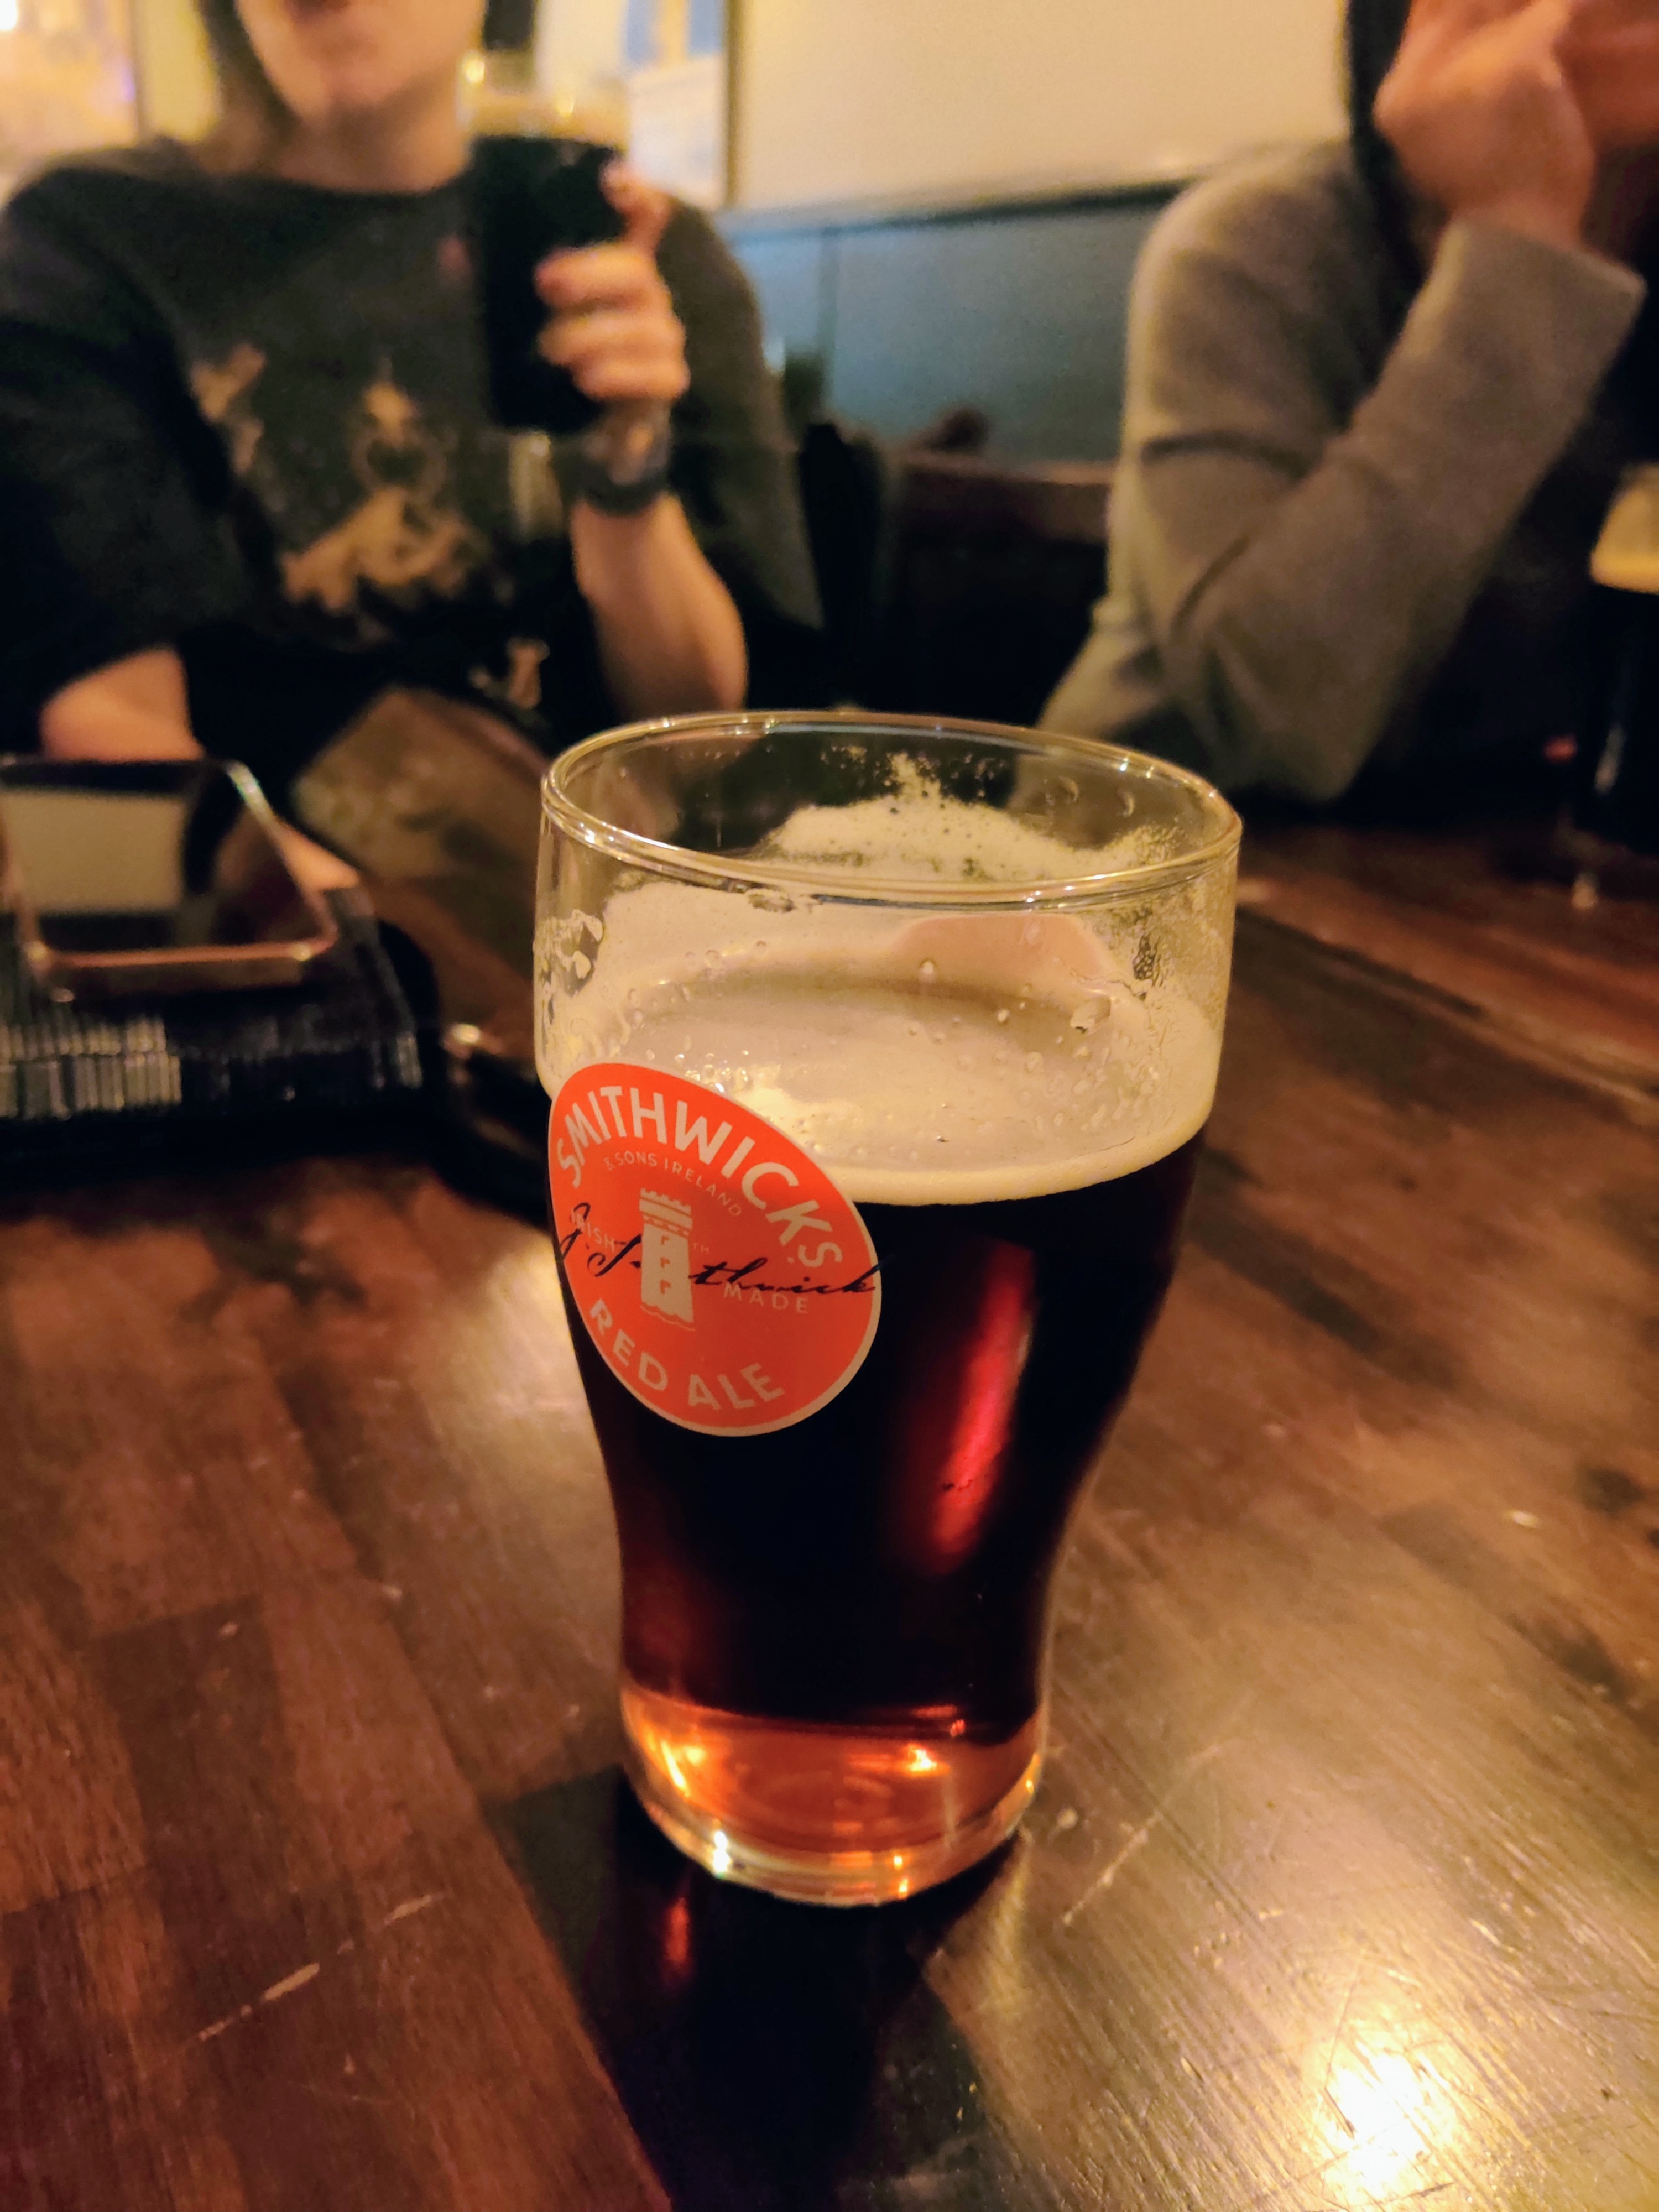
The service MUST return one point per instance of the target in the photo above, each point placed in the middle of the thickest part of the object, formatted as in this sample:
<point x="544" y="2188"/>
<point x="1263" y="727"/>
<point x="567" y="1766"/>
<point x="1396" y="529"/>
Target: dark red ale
<point x="839" y="1628"/>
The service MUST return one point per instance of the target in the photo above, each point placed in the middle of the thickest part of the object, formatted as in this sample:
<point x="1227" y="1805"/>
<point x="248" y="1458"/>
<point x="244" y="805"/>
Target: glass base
<point x="827" y="1815"/>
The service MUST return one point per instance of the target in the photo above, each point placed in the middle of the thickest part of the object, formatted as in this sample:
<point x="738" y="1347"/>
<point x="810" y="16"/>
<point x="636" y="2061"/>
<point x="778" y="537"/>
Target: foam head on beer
<point x="924" y="1058"/>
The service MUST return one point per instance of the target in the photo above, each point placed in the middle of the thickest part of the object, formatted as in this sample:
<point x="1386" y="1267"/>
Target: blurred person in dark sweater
<point x="247" y="466"/>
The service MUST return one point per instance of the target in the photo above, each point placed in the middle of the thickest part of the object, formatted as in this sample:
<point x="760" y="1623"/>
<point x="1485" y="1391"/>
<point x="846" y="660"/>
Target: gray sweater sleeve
<point x="1303" y="563"/>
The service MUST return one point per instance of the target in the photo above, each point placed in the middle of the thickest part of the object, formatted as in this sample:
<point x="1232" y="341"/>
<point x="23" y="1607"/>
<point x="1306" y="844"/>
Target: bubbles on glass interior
<point x="870" y="1036"/>
<point x="994" y="819"/>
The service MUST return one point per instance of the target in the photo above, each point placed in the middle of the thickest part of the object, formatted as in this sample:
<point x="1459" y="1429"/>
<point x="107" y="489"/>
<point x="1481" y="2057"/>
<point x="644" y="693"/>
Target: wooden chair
<point x="993" y="568"/>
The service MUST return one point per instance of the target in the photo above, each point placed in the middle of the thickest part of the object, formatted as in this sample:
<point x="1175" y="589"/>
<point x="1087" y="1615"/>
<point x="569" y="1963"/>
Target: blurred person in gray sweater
<point x="1380" y="396"/>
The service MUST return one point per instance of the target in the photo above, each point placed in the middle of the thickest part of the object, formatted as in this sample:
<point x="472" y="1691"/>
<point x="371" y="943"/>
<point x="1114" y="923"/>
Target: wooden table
<point x="318" y="1885"/>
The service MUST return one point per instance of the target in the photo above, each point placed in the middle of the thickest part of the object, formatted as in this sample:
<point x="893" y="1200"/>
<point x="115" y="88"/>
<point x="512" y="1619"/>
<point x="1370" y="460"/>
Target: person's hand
<point x="613" y="323"/>
<point x="1483" y="120"/>
<point x="313" y="864"/>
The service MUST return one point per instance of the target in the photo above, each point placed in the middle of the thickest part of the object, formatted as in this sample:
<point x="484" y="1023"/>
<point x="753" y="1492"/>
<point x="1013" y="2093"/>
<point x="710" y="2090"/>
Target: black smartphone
<point x="531" y="197"/>
<point x="138" y="877"/>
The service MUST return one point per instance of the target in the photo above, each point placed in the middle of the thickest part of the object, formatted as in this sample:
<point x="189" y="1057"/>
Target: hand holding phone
<point x="532" y="197"/>
<point x="614" y="325"/>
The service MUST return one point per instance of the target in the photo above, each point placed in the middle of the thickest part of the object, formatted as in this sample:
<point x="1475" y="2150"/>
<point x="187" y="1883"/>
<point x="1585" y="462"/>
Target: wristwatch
<point x="619" y="465"/>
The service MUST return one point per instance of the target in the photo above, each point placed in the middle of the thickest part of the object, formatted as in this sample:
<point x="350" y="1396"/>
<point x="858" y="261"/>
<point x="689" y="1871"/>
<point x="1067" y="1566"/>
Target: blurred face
<point x="1610" y="56"/>
<point x="328" y="60"/>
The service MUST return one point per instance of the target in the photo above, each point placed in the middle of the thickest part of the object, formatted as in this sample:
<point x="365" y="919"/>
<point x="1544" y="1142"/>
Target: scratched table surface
<point x="317" y="1884"/>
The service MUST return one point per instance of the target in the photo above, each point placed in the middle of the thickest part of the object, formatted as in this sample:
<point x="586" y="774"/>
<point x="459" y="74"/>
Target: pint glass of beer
<point x="879" y="1051"/>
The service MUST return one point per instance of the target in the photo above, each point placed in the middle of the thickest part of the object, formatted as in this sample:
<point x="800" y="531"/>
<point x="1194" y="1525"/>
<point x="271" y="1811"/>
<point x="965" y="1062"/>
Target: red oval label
<point x="724" y="1278"/>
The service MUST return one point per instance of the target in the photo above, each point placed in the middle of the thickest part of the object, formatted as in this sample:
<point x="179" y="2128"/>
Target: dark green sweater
<point x="248" y="419"/>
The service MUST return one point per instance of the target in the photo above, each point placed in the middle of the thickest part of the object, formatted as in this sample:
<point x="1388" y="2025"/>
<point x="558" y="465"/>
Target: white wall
<point x="580" y="42"/>
<point x="860" y="98"/>
<point x="856" y="99"/>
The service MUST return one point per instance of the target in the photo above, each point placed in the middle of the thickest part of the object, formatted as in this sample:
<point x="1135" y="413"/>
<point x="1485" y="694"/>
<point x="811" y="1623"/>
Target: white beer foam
<point x="931" y="1060"/>
<point x="909" y="1103"/>
<point x="916" y="832"/>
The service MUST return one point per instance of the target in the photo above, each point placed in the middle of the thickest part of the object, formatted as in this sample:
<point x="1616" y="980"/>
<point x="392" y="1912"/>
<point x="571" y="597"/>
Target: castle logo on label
<point x="723" y="1276"/>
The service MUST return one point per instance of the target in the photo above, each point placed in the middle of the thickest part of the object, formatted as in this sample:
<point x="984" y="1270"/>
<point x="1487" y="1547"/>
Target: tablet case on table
<point x="124" y="1077"/>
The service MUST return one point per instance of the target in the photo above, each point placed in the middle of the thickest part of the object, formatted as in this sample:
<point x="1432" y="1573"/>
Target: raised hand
<point x="1484" y="119"/>
<point x="612" y="324"/>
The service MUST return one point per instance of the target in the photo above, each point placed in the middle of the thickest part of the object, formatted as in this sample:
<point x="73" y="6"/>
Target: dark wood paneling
<point x="991" y="573"/>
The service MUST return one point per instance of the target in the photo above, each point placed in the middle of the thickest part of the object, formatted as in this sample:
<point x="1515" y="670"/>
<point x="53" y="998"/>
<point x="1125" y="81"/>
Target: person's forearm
<point x="136" y="709"/>
<point x="139" y="709"/>
<point x="113" y="731"/>
<point x="670" y="639"/>
<point x="1295" y="653"/>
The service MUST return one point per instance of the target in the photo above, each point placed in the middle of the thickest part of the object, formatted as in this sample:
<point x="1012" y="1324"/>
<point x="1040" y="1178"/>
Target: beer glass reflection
<point x="879" y="1055"/>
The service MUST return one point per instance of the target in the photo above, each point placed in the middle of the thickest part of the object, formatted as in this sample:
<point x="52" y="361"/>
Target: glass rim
<point x="723" y="870"/>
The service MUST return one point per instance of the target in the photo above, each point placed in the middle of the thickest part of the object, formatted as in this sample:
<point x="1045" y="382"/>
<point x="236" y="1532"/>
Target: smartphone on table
<point x="133" y="878"/>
